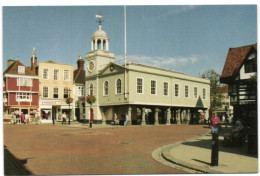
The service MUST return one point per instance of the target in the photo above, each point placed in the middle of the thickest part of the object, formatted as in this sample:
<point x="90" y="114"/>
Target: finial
<point x="34" y="51"/>
<point x="100" y="21"/>
<point x="79" y="57"/>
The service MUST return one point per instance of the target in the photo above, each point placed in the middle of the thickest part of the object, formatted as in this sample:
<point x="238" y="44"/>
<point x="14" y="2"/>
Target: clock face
<point x="91" y="66"/>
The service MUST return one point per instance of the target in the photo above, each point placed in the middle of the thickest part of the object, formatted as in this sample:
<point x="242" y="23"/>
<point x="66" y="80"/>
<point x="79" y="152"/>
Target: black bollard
<point x="90" y="125"/>
<point x="214" y="151"/>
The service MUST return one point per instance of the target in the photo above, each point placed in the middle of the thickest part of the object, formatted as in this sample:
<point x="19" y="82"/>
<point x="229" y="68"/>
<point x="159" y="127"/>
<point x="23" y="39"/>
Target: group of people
<point x="116" y="121"/>
<point x="24" y="118"/>
<point x="228" y="137"/>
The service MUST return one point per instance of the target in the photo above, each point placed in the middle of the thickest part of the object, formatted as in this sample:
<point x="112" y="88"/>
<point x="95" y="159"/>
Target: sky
<point x="185" y="38"/>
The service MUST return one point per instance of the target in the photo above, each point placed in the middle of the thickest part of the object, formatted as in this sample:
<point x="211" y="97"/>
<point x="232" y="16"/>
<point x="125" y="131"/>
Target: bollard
<point x="214" y="151"/>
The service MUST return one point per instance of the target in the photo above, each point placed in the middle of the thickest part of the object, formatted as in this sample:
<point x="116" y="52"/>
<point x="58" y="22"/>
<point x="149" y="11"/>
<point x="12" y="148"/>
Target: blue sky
<point x="189" y="39"/>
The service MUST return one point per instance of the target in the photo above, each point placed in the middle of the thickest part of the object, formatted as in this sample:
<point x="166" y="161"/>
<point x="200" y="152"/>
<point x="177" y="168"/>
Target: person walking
<point x="215" y="123"/>
<point x="26" y="119"/>
<point x="53" y="120"/>
<point x="37" y="119"/>
<point x="126" y="119"/>
<point x="22" y="117"/>
<point x="63" y="116"/>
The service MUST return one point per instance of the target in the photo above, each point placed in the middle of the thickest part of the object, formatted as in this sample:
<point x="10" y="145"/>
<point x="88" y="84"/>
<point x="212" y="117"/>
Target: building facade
<point x="240" y="73"/>
<point x="56" y="84"/>
<point x="146" y="94"/>
<point x="79" y="90"/>
<point x="21" y="88"/>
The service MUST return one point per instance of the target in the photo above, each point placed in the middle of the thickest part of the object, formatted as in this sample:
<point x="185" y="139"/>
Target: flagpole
<point x="125" y="49"/>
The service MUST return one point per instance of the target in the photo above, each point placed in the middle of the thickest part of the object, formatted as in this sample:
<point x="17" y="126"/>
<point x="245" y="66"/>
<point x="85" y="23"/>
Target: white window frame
<point x="21" y="81"/>
<point x="204" y="97"/>
<point x="64" y="92"/>
<point x="155" y="88"/>
<point x="43" y="92"/>
<point x="21" y="69"/>
<point x="118" y="93"/>
<point x="164" y="88"/>
<point x="105" y="89"/>
<point x="185" y="91"/>
<point x="58" y="74"/>
<point x="22" y="96"/>
<point x="141" y="85"/>
<point x="64" y="78"/>
<point x="195" y="97"/>
<point x="46" y="75"/>
<point x="178" y="90"/>
<point x="80" y="91"/>
<point x="54" y="91"/>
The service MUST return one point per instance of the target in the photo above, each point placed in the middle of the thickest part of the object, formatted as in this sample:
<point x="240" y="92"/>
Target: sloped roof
<point x="234" y="59"/>
<point x="79" y="76"/>
<point x="13" y="69"/>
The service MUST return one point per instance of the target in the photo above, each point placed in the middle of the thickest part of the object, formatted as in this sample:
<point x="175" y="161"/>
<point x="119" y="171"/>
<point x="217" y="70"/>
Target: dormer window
<point x="21" y="69"/>
<point x="250" y="64"/>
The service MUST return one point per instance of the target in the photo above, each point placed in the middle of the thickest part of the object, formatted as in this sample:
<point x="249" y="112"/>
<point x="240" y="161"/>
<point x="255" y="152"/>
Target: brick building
<point x="20" y="87"/>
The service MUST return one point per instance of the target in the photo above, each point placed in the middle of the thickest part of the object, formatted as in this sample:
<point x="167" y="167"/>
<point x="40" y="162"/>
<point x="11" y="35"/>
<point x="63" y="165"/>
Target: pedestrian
<point x="22" y="116"/>
<point x="37" y="118"/>
<point x="13" y="118"/>
<point x="126" y="119"/>
<point x="215" y="123"/>
<point x="26" y="119"/>
<point x="53" y="120"/>
<point x="63" y="116"/>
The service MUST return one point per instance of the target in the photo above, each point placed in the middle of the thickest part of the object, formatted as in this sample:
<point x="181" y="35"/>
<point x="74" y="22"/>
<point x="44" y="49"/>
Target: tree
<point x="215" y="95"/>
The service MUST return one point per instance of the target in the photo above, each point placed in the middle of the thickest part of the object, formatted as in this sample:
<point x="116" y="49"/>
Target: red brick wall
<point x="12" y="84"/>
<point x="35" y="85"/>
<point x="12" y="99"/>
<point x="35" y="99"/>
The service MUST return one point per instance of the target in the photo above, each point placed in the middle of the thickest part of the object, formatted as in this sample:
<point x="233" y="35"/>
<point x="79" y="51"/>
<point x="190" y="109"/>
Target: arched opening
<point x="99" y="44"/>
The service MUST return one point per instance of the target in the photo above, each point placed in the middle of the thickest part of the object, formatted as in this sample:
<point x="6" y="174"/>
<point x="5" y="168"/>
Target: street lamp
<point x="68" y="101"/>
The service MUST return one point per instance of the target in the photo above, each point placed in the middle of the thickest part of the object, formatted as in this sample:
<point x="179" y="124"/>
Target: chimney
<point x="33" y="60"/>
<point x="80" y="62"/>
<point x="10" y="62"/>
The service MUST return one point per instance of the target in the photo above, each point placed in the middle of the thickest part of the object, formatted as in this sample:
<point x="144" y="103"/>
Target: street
<point x="62" y="150"/>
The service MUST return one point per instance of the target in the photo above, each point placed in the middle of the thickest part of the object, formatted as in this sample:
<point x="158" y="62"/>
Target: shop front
<point x="54" y="109"/>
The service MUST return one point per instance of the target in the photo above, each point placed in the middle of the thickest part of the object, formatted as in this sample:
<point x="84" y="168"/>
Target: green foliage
<point x="215" y="95"/>
<point x="91" y="99"/>
<point x="69" y="100"/>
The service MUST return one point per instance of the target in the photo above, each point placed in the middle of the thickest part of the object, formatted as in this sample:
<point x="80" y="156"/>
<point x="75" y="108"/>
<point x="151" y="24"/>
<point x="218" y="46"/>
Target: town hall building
<point x="147" y="94"/>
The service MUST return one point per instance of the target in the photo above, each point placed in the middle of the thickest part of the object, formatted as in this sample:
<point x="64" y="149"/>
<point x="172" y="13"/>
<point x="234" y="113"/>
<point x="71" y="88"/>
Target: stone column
<point x="92" y="45"/>
<point x="156" y="121"/>
<point x="107" y="45"/>
<point x="102" y="44"/>
<point x="103" y="117"/>
<point x="178" y="114"/>
<point x="188" y="117"/>
<point x="143" y="117"/>
<point x="129" y="116"/>
<point x="168" y="122"/>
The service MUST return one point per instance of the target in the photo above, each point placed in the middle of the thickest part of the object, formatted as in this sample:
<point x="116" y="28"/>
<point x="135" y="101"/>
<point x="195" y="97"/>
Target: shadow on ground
<point x="206" y="143"/>
<point x="14" y="166"/>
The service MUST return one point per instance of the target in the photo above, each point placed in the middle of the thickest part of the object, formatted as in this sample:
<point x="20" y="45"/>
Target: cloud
<point x="162" y="62"/>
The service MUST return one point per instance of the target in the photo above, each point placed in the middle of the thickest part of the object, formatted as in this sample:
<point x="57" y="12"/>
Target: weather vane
<point x="100" y="21"/>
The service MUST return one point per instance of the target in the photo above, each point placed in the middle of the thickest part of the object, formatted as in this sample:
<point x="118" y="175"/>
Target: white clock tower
<point x="96" y="60"/>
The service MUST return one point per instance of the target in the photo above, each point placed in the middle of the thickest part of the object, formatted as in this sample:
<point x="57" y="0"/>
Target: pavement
<point x="192" y="155"/>
<point x="195" y="153"/>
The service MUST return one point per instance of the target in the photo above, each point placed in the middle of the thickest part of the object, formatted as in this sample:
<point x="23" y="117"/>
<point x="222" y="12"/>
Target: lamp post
<point x="69" y="107"/>
<point x="68" y="101"/>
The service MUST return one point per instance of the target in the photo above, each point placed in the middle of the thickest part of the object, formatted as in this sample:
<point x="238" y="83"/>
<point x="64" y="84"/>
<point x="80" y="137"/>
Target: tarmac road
<point x="62" y="150"/>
